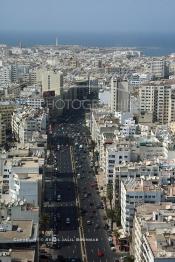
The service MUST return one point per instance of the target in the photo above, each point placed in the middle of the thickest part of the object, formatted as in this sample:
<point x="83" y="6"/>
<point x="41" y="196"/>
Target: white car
<point x="67" y="220"/>
<point x="113" y="248"/>
<point x="110" y="239"/>
<point x="58" y="197"/>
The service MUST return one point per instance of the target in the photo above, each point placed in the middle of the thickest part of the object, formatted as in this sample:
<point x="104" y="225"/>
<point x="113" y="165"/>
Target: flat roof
<point x="24" y="255"/>
<point x="15" y="236"/>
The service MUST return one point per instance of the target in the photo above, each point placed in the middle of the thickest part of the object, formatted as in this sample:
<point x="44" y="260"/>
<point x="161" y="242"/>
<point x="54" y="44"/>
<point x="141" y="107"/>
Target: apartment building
<point x="151" y="148"/>
<point x="101" y="121"/>
<point x="34" y="102"/>
<point x="135" y="192"/>
<point x="119" y="95"/>
<point x="2" y="132"/>
<point x="21" y="179"/>
<point x="26" y="121"/>
<point x="153" y="233"/>
<point x="156" y="98"/>
<point x="51" y="80"/>
<point x="6" y="110"/>
<point x="116" y="154"/>
<point x="107" y="137"/>
<point x="158" y="68"/>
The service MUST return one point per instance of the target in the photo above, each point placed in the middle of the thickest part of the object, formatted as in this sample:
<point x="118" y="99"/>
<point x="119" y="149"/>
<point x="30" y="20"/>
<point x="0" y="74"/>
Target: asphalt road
<point x="69" y="159"/>
<point x="62" y="183"/>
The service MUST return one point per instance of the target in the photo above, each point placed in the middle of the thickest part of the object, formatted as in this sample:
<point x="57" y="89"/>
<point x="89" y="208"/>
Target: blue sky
<point x="88" y="15"/>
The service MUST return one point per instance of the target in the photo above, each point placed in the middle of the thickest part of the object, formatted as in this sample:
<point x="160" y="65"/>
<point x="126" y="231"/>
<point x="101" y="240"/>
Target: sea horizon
<point x="152" y="44"/>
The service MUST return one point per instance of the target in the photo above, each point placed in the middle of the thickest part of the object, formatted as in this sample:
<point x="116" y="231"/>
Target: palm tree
<point x="110" y="194"/>
<point x="104" y="199"/>
<point x="128" y="259"/>
<point x="111" y="215"/>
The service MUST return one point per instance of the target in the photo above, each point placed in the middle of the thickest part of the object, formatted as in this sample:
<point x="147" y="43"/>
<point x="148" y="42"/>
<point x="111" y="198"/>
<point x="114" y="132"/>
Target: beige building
<point x="51" y="80"/>
<point x="158" y="68"/>
<point x="6" y="111"/>
<point x="156" y="98"/>
<point x="119" y="95"/>
<point x="2" y="131"/>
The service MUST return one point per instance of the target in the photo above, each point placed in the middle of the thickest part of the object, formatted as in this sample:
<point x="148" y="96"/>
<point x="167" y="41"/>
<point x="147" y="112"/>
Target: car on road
<point x="73" y="259"/>
<point x="97" y="226"/>
<point x="58" y="197"/>
<point x="67" y="220"/>
<point x="113" y="248"/>
<point x="110" y="239"/>
<point x="89" y="222"/>
<point x="100" y="253"/>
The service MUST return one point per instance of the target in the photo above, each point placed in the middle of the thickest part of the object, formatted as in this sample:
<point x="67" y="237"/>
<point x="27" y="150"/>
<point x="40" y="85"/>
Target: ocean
<point x="157" y="44"/>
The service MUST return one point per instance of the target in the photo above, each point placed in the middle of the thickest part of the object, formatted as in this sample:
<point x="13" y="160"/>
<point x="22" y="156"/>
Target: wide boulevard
<point x="71" y="197"/>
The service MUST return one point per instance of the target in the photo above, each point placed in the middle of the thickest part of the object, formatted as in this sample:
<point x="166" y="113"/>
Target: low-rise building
<point x="27" y="120"/>
<point x="135" y="192"/>
<point x="153" y="233"/>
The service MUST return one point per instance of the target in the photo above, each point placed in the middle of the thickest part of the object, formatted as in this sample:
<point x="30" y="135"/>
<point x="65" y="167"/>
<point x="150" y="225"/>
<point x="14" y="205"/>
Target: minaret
<point x="56" y="41"/>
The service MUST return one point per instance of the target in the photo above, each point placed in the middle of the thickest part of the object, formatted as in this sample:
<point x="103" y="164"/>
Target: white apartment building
<point x="107" y="137"/>
<point x="5" y="76"/>
<point x="27" y="120"/>
<point x="116" y="154"/>
<point x="10" y="183"/>
<point x="128" y="128"/>
<point x="21" y="179"/>
<point x="153" y="233"/>
<point x="151" y="148"/>
<point x="33" y="102"/>
<point x="135" y="192"/>
<point x="137" y="79"/>
<point x="101" y="121"/>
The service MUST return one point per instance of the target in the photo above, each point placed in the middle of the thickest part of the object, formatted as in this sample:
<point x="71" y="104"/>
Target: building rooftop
<point x="20" y="255"/>
<point x="21" y="231"/>
<point x="137" y="185"/>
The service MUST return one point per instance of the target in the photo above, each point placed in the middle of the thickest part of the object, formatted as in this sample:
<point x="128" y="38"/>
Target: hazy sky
<point x="88" y="15"/>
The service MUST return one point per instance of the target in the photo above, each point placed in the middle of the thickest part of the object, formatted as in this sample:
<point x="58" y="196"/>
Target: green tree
<point x="129" y="259"/>
<point x="116" y="234"/>
<point x="111" y="215"/>
<point x="118" y="216"/>
<point x="104" y="200"/>
<point x="110" y="194"/>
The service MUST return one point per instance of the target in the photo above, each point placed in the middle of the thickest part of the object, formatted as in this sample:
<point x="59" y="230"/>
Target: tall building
<point x="156" y="98"/>
<point x="158" y="68"/>
<point x="51" y="80"/>
<point x="6" y="111"/>
<point x="119" y="95"/>
<point x="2" y="131"/>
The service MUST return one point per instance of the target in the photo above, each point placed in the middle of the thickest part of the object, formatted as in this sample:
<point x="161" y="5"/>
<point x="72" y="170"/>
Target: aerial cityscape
<point x="87" y="134"/>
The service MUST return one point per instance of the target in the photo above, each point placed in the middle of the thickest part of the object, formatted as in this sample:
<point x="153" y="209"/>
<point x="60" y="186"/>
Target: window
<point x="111" y="161"/>
<point x="120" y="157"/>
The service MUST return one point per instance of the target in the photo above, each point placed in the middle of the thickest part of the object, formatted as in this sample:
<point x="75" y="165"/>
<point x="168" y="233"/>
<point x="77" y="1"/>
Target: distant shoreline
<point x="161" y="44"/>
